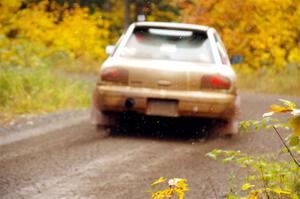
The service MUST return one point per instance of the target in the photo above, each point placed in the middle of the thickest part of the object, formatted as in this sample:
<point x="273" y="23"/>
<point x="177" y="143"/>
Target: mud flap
<point x="97" y="116"/>
<point x="231" y="125"/>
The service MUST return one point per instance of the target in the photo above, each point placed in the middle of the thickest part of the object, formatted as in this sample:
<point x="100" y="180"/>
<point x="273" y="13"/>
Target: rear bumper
<point x="188" y="103"/>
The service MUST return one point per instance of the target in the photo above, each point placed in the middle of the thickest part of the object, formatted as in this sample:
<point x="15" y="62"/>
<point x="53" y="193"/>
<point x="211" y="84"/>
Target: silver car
<point x="170" y="70"/>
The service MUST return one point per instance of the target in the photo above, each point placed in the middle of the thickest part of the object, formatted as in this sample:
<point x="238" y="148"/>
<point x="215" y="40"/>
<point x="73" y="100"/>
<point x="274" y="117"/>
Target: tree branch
<point x="286" y="146"/>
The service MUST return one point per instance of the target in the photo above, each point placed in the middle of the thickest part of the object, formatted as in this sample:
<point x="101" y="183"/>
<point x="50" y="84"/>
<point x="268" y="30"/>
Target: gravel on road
<point x="61" y="155"/>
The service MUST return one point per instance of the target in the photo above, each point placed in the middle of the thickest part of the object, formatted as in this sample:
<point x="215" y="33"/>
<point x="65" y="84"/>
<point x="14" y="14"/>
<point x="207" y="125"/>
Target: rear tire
<point x="229" y="128"/>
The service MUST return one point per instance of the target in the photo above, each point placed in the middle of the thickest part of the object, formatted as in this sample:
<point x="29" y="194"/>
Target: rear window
<point x="168" y="44"/>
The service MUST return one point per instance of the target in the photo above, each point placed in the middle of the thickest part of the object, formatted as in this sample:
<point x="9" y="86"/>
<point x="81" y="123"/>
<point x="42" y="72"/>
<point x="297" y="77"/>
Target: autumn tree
<point x="265" y="32"/>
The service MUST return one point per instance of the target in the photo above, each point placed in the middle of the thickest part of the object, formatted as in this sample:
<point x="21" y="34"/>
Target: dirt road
<point x="66" y="157"/>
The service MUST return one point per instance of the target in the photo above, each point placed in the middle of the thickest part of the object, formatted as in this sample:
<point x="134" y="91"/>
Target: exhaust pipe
<point x="129" y="103"/>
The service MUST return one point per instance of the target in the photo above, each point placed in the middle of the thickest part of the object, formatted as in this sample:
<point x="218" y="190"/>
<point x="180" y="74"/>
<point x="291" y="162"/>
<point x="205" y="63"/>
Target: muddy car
<point x="169" y="70"/>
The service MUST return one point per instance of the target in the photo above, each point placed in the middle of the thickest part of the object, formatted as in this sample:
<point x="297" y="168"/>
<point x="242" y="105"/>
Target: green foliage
<point x="266" y="175"/>
<point x="176" y="186"/>
<point x="24" y="91"/>
<point x="269" y="176"/>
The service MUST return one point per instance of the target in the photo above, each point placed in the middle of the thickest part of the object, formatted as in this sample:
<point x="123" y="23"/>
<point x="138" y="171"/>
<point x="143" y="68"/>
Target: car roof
<point x="172" y="25"/>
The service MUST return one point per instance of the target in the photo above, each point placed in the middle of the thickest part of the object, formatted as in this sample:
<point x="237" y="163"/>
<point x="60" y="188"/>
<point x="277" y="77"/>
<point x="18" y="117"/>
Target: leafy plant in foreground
<point x="269" y="176"/>
<point x="177" y="186"/>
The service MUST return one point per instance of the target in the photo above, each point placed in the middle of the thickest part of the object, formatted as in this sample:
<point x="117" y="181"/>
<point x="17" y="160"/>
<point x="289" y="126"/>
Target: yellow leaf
<point x="247" y="186"/>
<point x="295" y="124"/>
<point x="279" y="191"/>
<point x="253" y="195"/>
<point x="160" y="180"/>
<point x="167" y="193"/>
<point x="280" y="109"/>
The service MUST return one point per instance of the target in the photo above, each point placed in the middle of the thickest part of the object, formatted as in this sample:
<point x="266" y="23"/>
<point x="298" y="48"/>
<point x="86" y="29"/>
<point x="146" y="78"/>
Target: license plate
<point x="162" y="107"/>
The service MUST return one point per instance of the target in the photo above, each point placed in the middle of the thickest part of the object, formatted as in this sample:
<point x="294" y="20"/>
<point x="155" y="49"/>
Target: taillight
<point x="215" y="82"/>
<point x="117" y="75"/>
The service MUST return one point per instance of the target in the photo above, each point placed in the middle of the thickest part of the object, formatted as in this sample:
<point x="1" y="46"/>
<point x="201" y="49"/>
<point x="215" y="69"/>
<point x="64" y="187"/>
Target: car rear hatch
<point x="158" y="77"/>
<point x="166" y="58"/>
<point x="165" y="75"/>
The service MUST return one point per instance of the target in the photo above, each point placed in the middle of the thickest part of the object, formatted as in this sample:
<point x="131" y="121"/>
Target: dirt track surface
<point x="66" y="157"/>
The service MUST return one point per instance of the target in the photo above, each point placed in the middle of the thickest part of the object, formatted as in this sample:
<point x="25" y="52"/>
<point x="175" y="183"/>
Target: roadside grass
<point x="64" y="62"/>
<point x="285" y="82"/>
<point x="33" y="91"/>
<point x="35" y="79"/>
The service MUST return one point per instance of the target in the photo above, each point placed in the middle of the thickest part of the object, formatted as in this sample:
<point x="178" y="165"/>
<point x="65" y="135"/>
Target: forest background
<point x="45" y="43"/>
